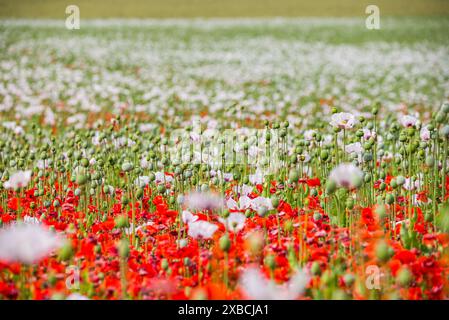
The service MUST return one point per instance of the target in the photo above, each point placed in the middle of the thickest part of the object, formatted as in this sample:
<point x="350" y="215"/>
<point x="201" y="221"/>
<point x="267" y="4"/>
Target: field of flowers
<point x="224" y="159"/>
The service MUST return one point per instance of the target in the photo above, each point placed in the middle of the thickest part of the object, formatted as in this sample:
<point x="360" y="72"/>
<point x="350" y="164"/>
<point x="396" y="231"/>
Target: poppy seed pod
<point x="400" y="180"/>
<point x="275" y="201"/>
<point x="444" y="132"/>
<point x="315" y="269"/>
<point x="127" y="167"/>
<point x="331" y="186"/>
<point x="81" y="179"/>
<point x="404" y="277"/>
<point x="121" y="222"/>
<point x="123" y="248"/>
<point x="164" y="264"/>
<point x="382" y="252"/>
<point x="225" y="243"/>
<point x="66" y="252"/>
<point x="445" y="107"/>
<point x="440" y="117"/>
<point x="270" y="262"/>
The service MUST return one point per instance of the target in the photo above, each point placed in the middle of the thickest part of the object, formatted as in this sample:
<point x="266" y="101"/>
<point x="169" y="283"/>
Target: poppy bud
<point x="315" y="269"/>
<point x="66" y="252"/>
<point x="348" y="279"/>
<point x="317" y="216"/>
<point x="293" y="176"/>
<point x="445" y="108"/>
<point x="270" y="262"/>
<point x="81" y="179"/>
<point x="127" y="166"/>
<point x="404" y="277"/>
<point x="225" y="243"/>
<point x="440" y="117"/>
<point x="382" y="252"/>
<point x="430" y="161"/>
<point x="381" y="211"/>
<point x="164" y="264"/>
<point x="139" y="193"/>
<point x="123" y="248"/>
<point x="400" y="180"/>
<point x="444" y="132"/>
<point x="288" y="226"/>
<point x="274" y="201"/>
<point x="125" y="200"/>
<point x="121" y="222"/>
<point x="350" y="203"/>
<point x="262" y="212"/>
<point x="331" y="186"/>
<point x="324" y="155"/>
<point x="84" y="162"/>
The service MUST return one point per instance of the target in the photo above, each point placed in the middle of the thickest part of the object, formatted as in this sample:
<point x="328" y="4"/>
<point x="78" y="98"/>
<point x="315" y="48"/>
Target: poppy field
<point x="224" y="159"/>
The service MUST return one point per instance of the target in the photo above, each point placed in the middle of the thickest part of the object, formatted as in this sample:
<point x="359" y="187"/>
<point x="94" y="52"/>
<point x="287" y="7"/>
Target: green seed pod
<point x="350" y="203"/>
<point x="66" y="252"/>
<point x="317" y="216"/>
<point x="400" y="180"/>
<point x="444" y="132"/>
<point x="389" y="199"/>
<point x="349" y="279"/>
<point x="81" y="179"/>
<point x="430" y="161"/>
<point x="382" y="252"/>
<point x="381" y="211"/>
<point x="274" y="201"/>
<point x="121" y="222"/>
<point x="331" y="186"/>
<point x="404" y="277"/>
<point x="315" y="269"/>
<point x="440" y="117"/>
<point x="164" y="264"/>
<point x="139" y="193"/>
<point x="84" y="162"/>
<point x="123" y="249"/>
<point x="270" y="262"/>
<point x="324" y="155"/>
<point x="367" y="157"/>
<point x="127" y="167"/>
<point x="288" y="226"/>
<point x="225" y="243"/>
<point x="161" y="188"/>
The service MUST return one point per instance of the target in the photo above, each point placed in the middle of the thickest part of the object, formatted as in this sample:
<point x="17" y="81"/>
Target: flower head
<point x="234" y="222"/>
<point x="256" y="286"/>
<point x="202" y="229"/>
<point x="343" y="120"/>
<point x="27" y="243"/>
<point x="203" y="201"/>
<point x="18" y="180"/>
<point x="408" y="121"/>
<point x="346" y="175"/>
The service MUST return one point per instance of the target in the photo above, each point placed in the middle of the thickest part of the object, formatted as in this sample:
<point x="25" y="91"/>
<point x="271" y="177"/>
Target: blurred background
<point x="218" y="8"/>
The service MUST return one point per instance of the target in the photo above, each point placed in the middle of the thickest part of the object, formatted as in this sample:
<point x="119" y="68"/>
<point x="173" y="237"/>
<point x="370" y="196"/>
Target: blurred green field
<point x="218" y="8"/>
